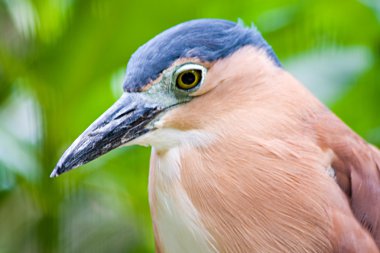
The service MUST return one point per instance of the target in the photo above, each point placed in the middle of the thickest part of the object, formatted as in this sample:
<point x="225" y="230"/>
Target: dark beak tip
<point x="59" y="170"/>
<point x="64" y="165"/>
<point x="55" y="172"/>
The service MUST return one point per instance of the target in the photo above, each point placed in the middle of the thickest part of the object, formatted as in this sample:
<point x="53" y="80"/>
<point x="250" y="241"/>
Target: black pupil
<point x="188" y="78"/>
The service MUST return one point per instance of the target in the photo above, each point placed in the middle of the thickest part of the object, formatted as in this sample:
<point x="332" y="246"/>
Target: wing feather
<point x="357" y="166"/>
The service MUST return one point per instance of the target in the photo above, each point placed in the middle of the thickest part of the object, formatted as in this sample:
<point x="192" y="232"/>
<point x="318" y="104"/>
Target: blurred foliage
<point x="61" y="65"/>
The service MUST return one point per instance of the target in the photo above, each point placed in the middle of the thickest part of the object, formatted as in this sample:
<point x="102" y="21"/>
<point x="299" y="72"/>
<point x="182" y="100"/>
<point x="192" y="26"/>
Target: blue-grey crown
<point x="206" y="39"/>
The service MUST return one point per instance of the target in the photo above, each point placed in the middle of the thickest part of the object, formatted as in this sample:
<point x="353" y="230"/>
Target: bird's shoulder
<point x="357" y="167"/>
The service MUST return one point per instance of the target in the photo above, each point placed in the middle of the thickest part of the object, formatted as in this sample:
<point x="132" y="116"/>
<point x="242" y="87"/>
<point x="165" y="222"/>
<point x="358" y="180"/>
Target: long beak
<point x="126" y="120"/>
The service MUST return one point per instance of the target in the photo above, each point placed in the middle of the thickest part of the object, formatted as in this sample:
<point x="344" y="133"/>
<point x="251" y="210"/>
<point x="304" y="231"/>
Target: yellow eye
<point x="188" y="79"/>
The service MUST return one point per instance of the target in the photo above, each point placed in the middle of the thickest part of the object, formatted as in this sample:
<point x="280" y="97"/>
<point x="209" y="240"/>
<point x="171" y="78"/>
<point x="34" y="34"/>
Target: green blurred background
<point x="62" y="64"/>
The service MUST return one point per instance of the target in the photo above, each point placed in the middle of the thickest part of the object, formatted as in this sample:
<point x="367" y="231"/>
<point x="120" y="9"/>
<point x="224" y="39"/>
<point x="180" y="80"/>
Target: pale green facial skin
<point x="166" y="93"/>
<point x="131" y="116"/>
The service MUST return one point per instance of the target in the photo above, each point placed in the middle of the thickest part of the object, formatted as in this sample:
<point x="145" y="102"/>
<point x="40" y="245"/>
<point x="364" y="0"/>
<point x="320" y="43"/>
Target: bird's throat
<point x="177" y="223"/>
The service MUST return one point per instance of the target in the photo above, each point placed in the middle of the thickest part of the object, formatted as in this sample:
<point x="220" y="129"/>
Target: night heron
<point x="244" y="158"/>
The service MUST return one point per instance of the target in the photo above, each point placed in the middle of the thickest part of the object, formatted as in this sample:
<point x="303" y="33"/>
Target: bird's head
<point x="164" y="78"/>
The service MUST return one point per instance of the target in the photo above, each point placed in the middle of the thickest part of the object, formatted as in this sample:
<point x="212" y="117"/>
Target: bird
<point x="244" y="157"/>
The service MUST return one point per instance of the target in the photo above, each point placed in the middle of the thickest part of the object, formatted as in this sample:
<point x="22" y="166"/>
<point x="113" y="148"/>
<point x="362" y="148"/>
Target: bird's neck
<point x="177" y="223"/>
<point x="232" y="155"/>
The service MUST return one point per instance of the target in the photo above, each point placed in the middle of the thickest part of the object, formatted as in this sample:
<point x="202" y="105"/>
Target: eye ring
<point x="188" y="79"/>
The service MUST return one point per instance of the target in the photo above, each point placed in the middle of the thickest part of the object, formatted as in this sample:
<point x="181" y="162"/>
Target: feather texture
<point x="262" y="184"/>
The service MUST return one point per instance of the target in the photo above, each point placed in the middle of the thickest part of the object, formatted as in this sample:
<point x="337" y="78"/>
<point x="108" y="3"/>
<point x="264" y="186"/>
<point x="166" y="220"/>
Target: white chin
<point x="167" y="138"/>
